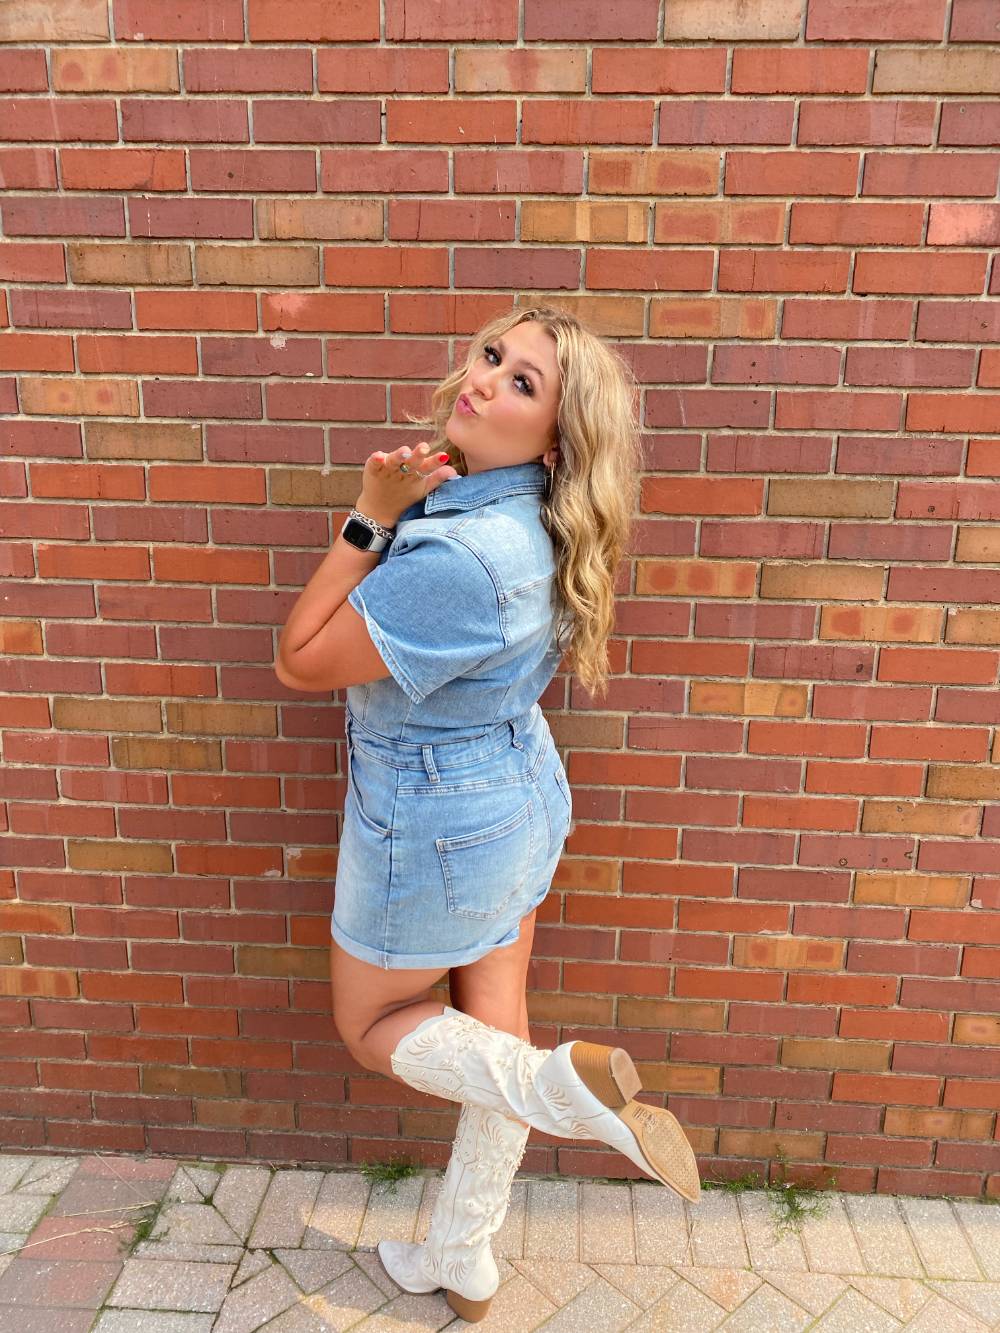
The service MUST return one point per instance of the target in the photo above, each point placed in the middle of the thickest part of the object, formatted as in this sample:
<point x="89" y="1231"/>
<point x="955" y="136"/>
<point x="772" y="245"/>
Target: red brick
<point x="230" y="484"/>
<point x="981" y="962"/>
<point x="182" y="20"/>
<point x="860" y="852"/>
<point x="906" y="959"/>
<point x="799" y="812"/>
<point x="864" y="779"/>
<point x="870" y="701"/>
<point x="28" y="169"/>
<point x="727" y="984"/>
<point x="184" y="120"/>
<point x="909" y="742"/>
<point x="71" y="953"/>
<point x="55" y="118"/>
<point x="89" y="480"/>
<point x="248" y="71"/>
<point x="869" y="923"/>
<point x="90" y="1017"/>
<point x="879" y="1149"/>
<point x="177" y="957"/>
<point x="229" y="219"/>
<point x="201" y="860"/>
<point x="79" y="821"/>
<point x="93" y="562"/>
<point x="806" y="989"/>
<point x="234" y="311"/>
<point x="130" y="986"/>
<point x="122" y="169"/>
<point x="32" y="261"/>
<point x="972" y="1094"/>
<point x="241" y="1054"/>
<point x="959" y="857"/>
<point x="806" y="739"/>
<point x="161" y="679"/>
<point x="23" y="72"/>
<point x="183" y="1020"/>
<point x="983" y="459"/>
<point x="246" y="992"/>
<point x="128" y="354"/>
<point x="894" y="1025"/>
<point x="185" y="564"/>
<point x="252" y="169"/>
<point x="949" y="666"/>
<point x="106" y="1078"/>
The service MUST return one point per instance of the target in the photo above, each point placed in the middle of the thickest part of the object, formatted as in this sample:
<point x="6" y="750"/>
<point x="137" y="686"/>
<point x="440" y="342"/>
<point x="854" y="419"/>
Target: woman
<point x="444" y="608"/>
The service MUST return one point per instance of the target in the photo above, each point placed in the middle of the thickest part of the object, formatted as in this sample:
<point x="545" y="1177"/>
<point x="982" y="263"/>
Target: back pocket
<point x="484" y="870"/>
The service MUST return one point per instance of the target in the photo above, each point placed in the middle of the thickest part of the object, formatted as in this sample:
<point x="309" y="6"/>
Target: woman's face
<point x="513" y="390"/>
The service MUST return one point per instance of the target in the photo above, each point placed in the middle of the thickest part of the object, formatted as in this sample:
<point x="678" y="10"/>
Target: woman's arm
<point x="306" y="649"/>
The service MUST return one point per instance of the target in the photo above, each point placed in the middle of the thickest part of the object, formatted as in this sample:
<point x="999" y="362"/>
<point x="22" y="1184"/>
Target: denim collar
<point x="483" y="487"/>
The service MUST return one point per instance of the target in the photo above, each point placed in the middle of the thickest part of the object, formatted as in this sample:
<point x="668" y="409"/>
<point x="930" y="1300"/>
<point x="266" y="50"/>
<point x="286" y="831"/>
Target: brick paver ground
<point x="108" y="1244"/>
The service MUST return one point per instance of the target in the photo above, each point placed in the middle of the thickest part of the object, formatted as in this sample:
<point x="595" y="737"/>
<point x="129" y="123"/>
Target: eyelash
<point x="490" y="348"/>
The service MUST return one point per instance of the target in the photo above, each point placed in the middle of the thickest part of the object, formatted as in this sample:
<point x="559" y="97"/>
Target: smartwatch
<point x="364" y="533"/>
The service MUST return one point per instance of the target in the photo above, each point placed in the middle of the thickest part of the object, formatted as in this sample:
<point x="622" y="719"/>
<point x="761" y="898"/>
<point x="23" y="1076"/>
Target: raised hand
<point x="387" y="490"/>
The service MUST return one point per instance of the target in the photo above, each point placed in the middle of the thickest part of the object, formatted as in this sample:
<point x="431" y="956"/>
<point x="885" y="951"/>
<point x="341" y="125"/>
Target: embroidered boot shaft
<point x="579" y="1090"/>
<point x="469" y="1210"/>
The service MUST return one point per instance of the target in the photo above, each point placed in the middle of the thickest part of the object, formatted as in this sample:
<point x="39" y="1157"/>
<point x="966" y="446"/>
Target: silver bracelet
<point x="387" y="533"/>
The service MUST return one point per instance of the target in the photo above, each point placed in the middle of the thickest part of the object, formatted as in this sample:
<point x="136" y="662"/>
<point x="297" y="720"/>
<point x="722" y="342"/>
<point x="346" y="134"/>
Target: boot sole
<point x="471" y="1311"/>
<point x="609" y="1075"/>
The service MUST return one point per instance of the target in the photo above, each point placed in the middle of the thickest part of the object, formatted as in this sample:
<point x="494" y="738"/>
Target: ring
<point x="403" y="467"/>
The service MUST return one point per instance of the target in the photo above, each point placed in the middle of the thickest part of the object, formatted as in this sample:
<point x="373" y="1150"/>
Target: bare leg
<point x="492" y="989"/>
<point x="374" y="1008"/>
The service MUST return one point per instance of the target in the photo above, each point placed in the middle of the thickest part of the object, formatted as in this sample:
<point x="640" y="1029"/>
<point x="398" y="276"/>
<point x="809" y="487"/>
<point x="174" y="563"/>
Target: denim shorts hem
<point x="455" y="958"/>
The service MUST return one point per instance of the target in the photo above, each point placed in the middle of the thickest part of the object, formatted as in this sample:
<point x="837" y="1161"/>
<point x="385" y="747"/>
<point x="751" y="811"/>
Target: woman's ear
<point x="551" y="456"/>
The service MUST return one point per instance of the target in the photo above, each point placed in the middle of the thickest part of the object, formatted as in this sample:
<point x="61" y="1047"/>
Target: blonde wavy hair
<point x="588" y="510"/>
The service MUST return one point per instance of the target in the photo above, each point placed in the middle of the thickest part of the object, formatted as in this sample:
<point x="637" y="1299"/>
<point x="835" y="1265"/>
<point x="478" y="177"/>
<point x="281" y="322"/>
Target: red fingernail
<point x="442" y="458"/>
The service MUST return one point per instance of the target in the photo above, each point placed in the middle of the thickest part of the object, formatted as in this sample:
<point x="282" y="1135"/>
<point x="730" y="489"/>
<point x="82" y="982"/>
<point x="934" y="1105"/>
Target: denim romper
<point x="457" y="802"/>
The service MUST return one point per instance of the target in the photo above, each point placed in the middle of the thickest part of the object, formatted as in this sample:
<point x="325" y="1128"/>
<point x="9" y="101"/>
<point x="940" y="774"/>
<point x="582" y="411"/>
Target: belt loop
<point x="513" y="734"/>
<point x="428" y="753"/>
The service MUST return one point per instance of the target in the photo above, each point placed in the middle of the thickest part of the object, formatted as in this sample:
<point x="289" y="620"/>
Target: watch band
<point x="387" y="533"/>
<point x="365" y="533"/>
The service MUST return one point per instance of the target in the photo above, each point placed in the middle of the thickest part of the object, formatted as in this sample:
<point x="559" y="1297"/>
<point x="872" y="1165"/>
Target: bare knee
<point x="357" y="1031"/>
<point x="353" y="1030"/>
<point x="364" y="1000"/>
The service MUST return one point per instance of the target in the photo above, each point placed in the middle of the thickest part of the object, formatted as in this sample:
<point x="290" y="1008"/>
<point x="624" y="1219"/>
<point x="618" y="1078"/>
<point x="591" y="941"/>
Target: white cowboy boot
<point x="578" y="1091"/>
<point x="470" y="1209"/>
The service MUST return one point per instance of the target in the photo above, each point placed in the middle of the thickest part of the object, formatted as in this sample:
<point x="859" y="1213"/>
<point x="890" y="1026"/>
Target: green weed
<point x="751" y="1181"/>
<point x="387" y="1175"/>
<point x="144" y="1226"/>
<point x="791" y="1203"/>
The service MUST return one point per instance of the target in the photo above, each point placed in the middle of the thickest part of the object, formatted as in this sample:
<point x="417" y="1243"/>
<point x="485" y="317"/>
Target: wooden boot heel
<point x="607" y="1072"/>
<point x="471" y="1311"/>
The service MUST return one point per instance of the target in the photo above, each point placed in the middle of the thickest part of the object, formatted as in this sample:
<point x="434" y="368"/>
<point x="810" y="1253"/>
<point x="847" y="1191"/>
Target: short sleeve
<point x="432" y="611"/>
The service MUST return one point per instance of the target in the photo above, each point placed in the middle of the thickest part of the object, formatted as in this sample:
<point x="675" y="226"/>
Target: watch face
<point x="357" y="534"/>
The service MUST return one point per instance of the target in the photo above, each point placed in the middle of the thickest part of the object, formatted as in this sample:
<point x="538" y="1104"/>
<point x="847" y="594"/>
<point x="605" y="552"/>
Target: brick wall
<point x="239" y="243"/>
